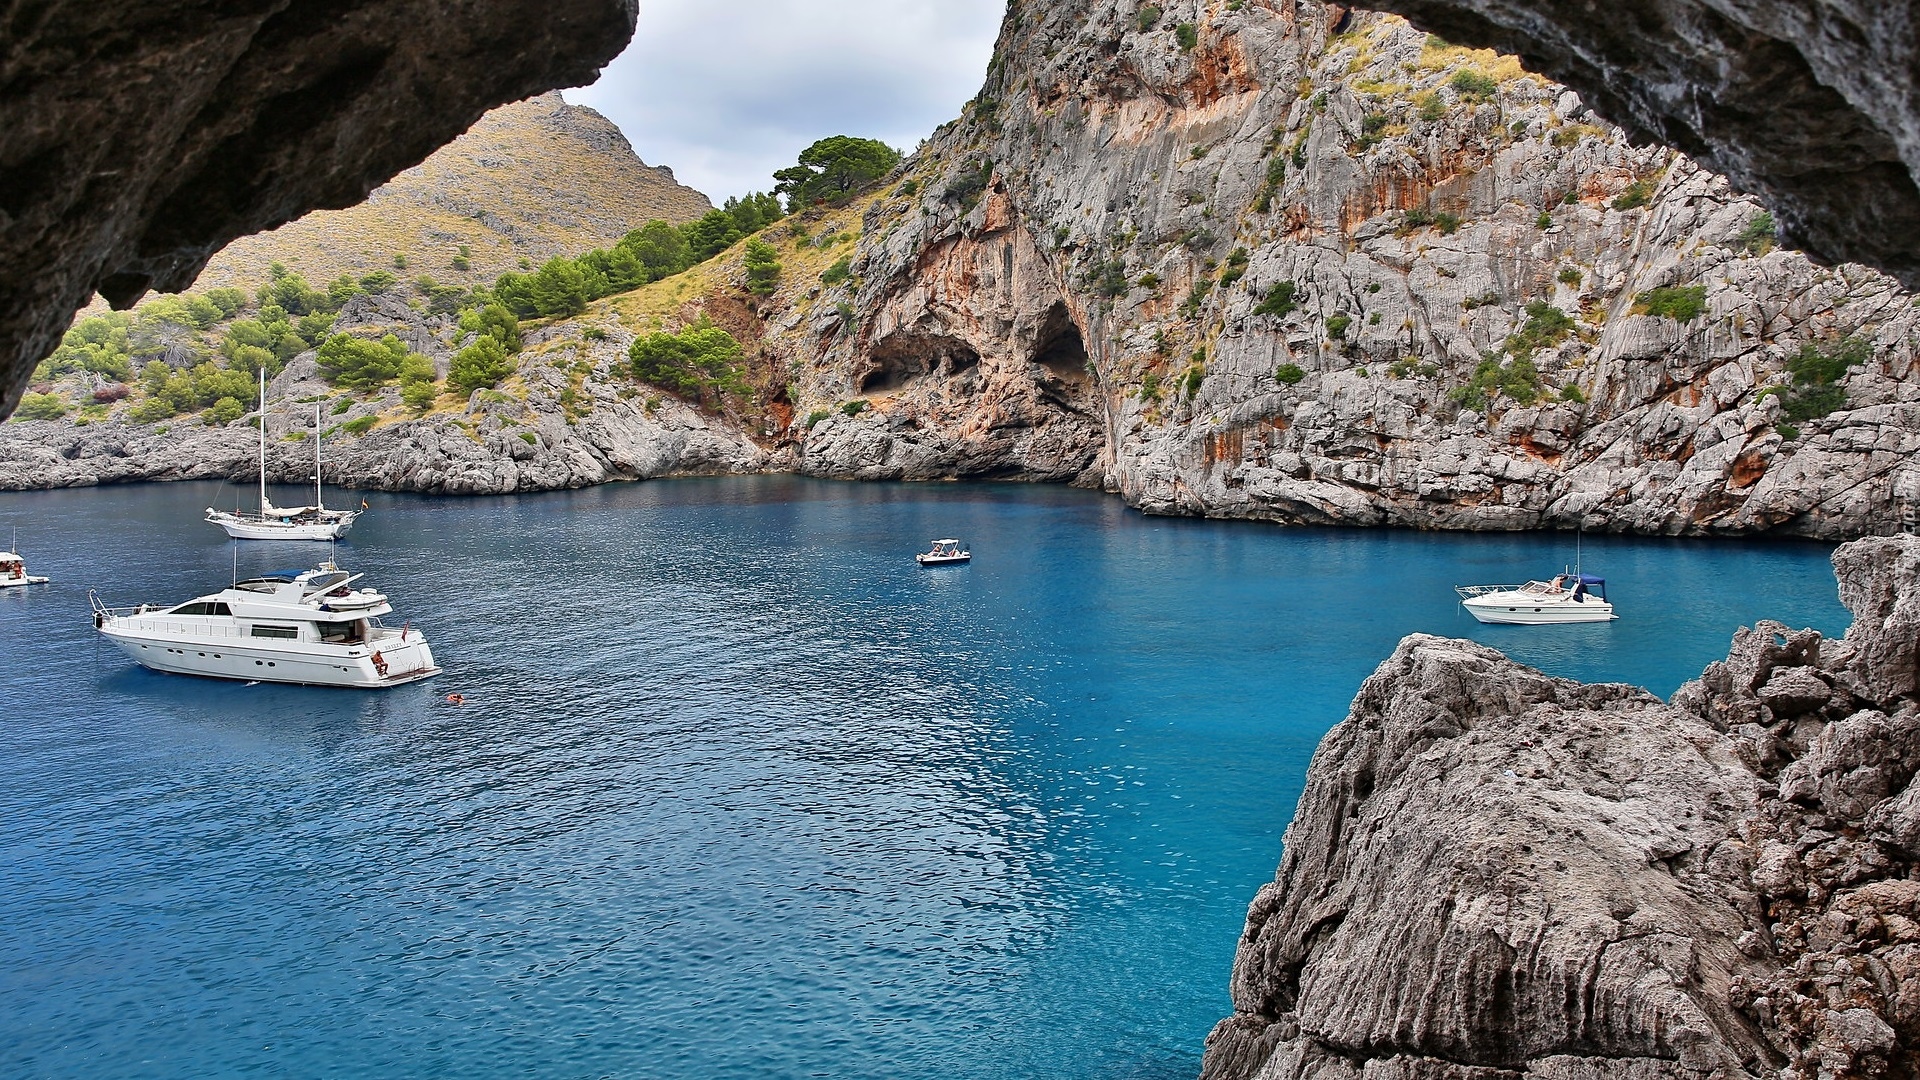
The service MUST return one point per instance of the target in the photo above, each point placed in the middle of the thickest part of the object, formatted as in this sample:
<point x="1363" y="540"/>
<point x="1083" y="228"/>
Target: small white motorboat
<point x="312" y="628"/>
<point x="13" y="572"/>
<point x="1568" y="598"/>
<point x="944" y="553"/>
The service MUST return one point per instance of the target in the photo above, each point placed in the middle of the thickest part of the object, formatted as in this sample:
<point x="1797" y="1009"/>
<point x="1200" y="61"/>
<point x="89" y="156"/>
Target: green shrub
<point x="1545" y="327"/>
<point x="1788" y="432"/>
<point x="1236" y="267"/>
<point x="40" y="407"/>
<point x="360" y="426"/>
<point x="1432" y="106"/>
<point x="1570" y="275"/>
<point x="1190" y="380"/>
<point x="530" y="438"/>
<point x="1280" y="300"/>
<point x="1544" y="221"/>
<point x="480" y="365"/>
<point x="1476" y="85"/>
<point x="225" y="411"/>
<point x="700" y="358"/>
<point x="1289" y="374"/>
<point x="1420" y="217"/>
<point x="1147" y="18"/>
<point x="1573" y="394"/>
<point x="856" y="407"/>
<point x="1816" y="389"/>
<point x="152" y="410"/>
<point x="1337" y="325"/>
<point x="840" y="271"/>
<point x="1683" y="303"/>
<point x="420" y="395"/>
<point x="1188" y="35"/>
<point x="1517" y="379"/>
<point x="817" y="415"/>
<point x="763" y="268"/>
<point x="1759" y="235"/>
<point x="359" y="364"/>
<point x="1638" y="194"/>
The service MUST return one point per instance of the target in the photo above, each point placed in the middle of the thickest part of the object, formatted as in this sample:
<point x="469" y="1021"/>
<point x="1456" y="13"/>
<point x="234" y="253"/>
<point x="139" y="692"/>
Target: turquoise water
<point x="739" y="789"/>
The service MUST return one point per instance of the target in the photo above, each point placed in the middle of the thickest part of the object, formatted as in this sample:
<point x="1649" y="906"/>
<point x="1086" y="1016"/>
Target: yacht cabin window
<point x="201" y="608"/>
<point x="288" y="632"/>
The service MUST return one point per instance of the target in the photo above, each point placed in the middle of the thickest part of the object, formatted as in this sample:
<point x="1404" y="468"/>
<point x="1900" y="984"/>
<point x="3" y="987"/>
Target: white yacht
<point x="314" y="522"/>
<point x="312" y="628"/>
<point x="1568" y="598"/>
<point x="13" y="572"/>
<point x="944" y="553"/>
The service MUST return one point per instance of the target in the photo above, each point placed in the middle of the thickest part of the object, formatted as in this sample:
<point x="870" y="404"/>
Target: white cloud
<point x="726" y="93"/>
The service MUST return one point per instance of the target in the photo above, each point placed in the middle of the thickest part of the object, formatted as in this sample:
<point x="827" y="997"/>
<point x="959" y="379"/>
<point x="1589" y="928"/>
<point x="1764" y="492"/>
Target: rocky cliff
<point x="1284" y="261"/>
<point x="1494" y="873"/>
<point x="137" y="139"/>
<point x="1813" y="105"/>
<point x="531" y="180"/>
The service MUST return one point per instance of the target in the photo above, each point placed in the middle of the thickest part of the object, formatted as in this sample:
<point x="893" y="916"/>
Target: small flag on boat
<point x="363" y="504"/>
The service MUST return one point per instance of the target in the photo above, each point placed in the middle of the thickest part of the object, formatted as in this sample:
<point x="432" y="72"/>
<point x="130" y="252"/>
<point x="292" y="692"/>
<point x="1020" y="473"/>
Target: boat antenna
<point x="236" y="563"/>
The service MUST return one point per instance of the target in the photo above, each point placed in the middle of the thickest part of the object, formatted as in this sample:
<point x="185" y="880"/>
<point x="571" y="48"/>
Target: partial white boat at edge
<point x="314" y="522"/>
<point x="13" y="572"/>
<point x="1568" y="598"/>
<point x="312" y="628"/>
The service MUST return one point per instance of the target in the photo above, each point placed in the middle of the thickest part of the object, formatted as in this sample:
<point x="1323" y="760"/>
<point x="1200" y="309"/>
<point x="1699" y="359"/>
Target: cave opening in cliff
<point x="1061" y="350"/>
<point x="899" y="359"/>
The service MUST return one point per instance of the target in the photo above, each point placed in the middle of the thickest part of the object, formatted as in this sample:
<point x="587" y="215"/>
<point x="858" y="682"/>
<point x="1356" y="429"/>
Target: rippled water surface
<point x="739" y="789"/>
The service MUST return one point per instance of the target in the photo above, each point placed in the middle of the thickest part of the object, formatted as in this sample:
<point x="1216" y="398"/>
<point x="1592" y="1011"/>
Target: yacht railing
<point x="1468" y="592"/>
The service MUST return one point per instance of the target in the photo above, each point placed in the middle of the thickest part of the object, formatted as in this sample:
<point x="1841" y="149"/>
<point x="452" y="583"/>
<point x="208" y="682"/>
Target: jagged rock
<point x="138" y="138"/>
<point x="1811" y="104"/>
<point x="1497" y="873"/>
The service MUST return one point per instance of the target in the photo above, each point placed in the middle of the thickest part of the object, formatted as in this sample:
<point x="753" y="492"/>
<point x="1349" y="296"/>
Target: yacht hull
<point x="1516" y="611"/>
<point x="268" y="530"/>
<point x="17" y="582"/>
<point x="244" y="659"/>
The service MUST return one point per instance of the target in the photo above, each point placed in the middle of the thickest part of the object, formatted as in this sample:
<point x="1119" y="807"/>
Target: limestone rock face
<point x="1492" y="869"/>
<point x="1810" y="103"/>
<point x="1313" y="266"/>
<point x="137" y="139"/>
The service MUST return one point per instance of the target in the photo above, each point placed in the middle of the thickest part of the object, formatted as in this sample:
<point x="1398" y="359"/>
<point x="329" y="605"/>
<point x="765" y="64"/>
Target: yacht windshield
<point x="326" y="581"/>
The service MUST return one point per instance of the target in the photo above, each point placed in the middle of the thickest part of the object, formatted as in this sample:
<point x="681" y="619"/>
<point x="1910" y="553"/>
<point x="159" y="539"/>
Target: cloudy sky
<point x="727" y="93"/>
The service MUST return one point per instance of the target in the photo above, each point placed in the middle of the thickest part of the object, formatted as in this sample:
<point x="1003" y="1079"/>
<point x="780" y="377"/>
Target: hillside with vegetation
<point x="530" y="181"/>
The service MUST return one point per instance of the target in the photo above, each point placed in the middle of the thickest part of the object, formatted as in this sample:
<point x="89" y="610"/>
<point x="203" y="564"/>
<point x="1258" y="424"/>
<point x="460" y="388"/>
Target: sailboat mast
<point x="317" y="504"/>
<point x="263" y="439"/>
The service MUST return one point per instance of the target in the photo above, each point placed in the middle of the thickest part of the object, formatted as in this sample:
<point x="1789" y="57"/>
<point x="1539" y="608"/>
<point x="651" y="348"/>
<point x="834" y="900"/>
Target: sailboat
<point x="314" y="522"/>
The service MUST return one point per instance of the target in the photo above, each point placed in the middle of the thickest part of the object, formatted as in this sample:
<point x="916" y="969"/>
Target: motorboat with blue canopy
<point x="1571" y="597"/>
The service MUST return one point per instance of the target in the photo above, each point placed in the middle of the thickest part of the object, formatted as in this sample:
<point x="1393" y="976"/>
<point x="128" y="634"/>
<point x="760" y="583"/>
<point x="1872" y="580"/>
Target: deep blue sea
<point x="739" y="789"/>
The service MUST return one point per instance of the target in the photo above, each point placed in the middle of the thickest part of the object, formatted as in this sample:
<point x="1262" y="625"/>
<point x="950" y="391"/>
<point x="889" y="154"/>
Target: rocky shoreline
<point x="1494" y="873"/>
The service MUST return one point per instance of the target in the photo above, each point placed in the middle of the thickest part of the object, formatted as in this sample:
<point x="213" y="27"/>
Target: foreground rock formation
<point x="137" y="139"/>
<point x="1813" y="105"/>
<point x="1494" y="873"/>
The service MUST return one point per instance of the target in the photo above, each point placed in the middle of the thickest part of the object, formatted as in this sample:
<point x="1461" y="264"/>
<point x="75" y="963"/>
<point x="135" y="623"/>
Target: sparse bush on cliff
<point x="1546" y="326"/>
<point x="856" y="407"/>
<point x="1570" y="275"/>
<point x="1289" y="374"/>
<point x="1188" y="35"/>
<point x="969" y="185"/>
<point x="40" y="407"/>
<point x="817" y="415"/>
<point x="1147" y="18"/>
<point x="358" y="364"/>
<point x="1236" y="267"/>
<point x="225" y="411"/>
<point x="1758" y="237"/>
<point x="1475" y="85"/>
<point x="1638" y="194"/>
<point x="1420" y="217"/>
<point x="479" y="366"/>
<point x="1279" y="301"/>
<point x="360" y="426"/>
<point x="1337" y="324"/>
<point x="1816" y="372"/>
<point x="1683" y="303"/>
<point x="1432" y="107"/>
<point x="1517" y="379"/>
<point x="702" y="358"/>
<point x="763" y="268"/>
<point x="840" y="271"/>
